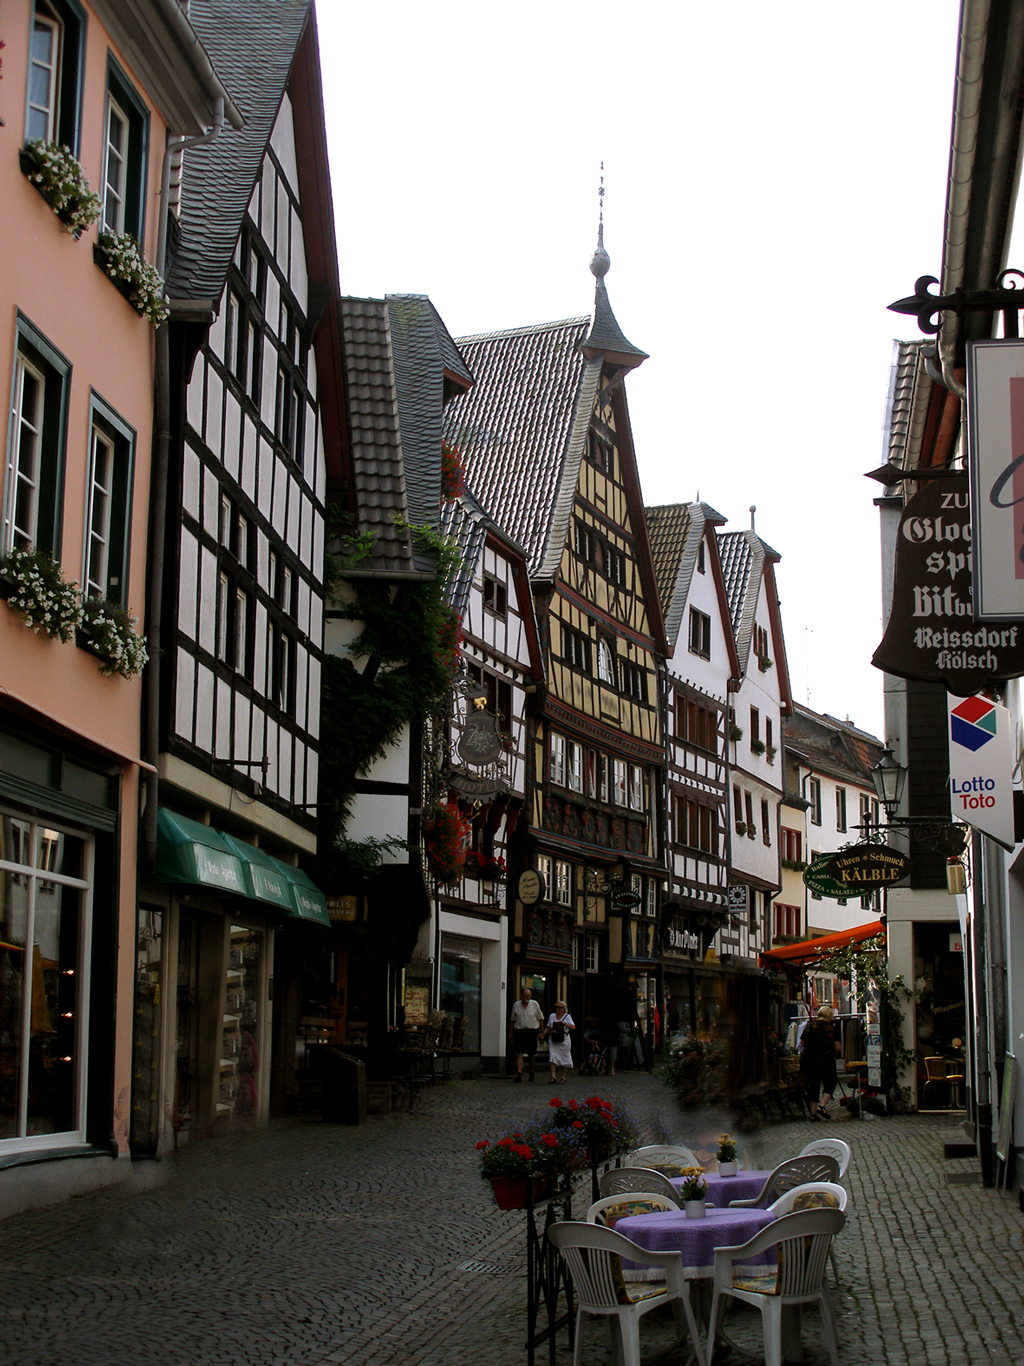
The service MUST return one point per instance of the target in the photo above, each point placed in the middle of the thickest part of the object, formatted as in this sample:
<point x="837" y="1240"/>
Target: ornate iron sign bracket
<point x="1007" y="299"/>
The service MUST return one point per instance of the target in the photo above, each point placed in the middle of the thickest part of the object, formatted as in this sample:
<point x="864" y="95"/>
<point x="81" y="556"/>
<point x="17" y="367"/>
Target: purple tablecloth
<point x="722" y="1189"/>
<point x="696" y="1239"/>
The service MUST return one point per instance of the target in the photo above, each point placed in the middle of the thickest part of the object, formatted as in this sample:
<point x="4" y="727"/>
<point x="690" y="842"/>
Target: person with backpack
<point x="560" y="1027"/>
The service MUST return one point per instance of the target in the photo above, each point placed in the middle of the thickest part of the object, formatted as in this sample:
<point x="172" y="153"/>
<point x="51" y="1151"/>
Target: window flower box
<point x="109" y="633"/>
<point x="764" y="663"/>
<point x="120" y="257"/>
<point x="35" y="588"/>
<point x="59" y="178"/>
<point x="735" y="734"/>
<point x="757" y="747"/>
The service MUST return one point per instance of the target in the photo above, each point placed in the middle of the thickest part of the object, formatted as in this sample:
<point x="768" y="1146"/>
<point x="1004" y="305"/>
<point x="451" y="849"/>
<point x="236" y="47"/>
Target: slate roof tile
<point x="218" y="178"/>
<point x="522" y="428"/>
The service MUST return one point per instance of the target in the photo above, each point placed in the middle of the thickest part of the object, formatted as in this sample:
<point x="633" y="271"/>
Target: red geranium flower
<point x="482" y="1144"/>
<point x="577" y="1124"/>
<point x="554" y="1103"/>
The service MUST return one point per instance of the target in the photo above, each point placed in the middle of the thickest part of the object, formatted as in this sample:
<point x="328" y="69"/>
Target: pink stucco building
<point x="114" y="83"/>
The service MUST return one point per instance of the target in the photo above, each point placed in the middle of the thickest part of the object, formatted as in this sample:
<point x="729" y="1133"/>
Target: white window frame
<point x="97" y="525"/>
<point x="17" y="476"/>
<point x="651" y="903"/>
<point x="556" y="760"/>
<point x="50" y="110"/>
<point x="223" y="598"/>
<point x="574" y="766"/>
<point x="545" y="868"/>
<point x="34" y="875"/>
<point x="603" y="779"/>
<point x="841" y="809"/>
<point x="563" y="883"/>
<point x="605" y="664"/>
<point x="814" y="799"/>
<point x="636" y="787"/>
<point x="114" y="156"/>
<point x="592" y="953"/>
<point x="619" y="794"/>
<point x="576" y="952"/>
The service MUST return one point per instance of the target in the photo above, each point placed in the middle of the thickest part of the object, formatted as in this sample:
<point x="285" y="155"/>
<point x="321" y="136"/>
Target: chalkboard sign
<point x="1006" y="1107"/>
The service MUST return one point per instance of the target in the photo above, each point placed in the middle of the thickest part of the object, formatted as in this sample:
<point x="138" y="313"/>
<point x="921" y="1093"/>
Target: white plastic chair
<point x="625" y="1180"/>
<point x="802" y="1243"/>
<point x="593" y="1255"/>
<point x="656" y="1156"/>
<point x="629" y="1202"/>
<point x="795" y="1171"/>
<point x="801" y="1198"/>
<point x="832" y="1147"/>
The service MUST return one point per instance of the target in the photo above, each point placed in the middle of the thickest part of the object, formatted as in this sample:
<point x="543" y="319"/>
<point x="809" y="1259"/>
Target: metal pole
<point x="982" y="1079"/>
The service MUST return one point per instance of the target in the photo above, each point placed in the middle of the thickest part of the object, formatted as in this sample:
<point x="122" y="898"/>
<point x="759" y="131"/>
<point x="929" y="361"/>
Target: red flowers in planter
<point x="453" y="474"/>
<point x="445" y="843"/>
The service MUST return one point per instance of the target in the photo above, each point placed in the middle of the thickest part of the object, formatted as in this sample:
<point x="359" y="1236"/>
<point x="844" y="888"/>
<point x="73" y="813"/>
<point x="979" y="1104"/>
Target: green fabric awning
<point x="190" y="852"/>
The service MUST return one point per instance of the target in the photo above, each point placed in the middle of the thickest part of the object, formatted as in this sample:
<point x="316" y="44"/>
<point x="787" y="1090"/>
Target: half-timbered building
<point x="758" y="703"/>
<point x="238" y="579"/>
<point x="701" y="666"/>
<point x="484" y="770"/>
<point x="546" y="440"/>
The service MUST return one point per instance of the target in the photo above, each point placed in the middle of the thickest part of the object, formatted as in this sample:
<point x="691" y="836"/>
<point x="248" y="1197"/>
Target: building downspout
<point x="158" y="508"/>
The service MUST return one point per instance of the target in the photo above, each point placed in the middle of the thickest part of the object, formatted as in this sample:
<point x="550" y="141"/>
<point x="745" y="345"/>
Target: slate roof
<point x="464" y="522"/>
<point x="835" y="747"/>
<point x="395" y="352"/>
<point x="675" y="531"/>
<point x="743" y="555"/>
<point x="522" y="430"/>
<point x="218" y="178"/>
<point x="907" y="404"/>
<point x="605" y="333"/>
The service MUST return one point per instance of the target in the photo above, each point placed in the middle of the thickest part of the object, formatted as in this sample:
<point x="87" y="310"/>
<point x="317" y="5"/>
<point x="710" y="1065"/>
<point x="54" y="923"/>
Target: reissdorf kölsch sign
<point x="932" y="632"/>
<point x="867" y="866"/>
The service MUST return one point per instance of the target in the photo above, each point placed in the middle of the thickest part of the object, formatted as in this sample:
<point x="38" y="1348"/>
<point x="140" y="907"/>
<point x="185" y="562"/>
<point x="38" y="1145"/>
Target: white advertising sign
<point x="981" y="766"/>
<point x="995" y="436"/>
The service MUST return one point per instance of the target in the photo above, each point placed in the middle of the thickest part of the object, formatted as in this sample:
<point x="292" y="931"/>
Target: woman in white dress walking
<point x="559" y="1031"/>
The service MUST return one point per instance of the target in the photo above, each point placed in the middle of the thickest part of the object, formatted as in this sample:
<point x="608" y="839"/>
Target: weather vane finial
<point x="600" y="262"/>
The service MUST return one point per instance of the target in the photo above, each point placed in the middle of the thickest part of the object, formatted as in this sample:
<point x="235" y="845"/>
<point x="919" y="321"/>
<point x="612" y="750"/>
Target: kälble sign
<point x="932" y="632"/>
<point x="866" y="867"/>
<point x="981" y="767"/>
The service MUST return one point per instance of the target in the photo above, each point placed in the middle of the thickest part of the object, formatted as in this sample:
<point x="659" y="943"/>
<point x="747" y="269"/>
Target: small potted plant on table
<point x="693" y="1191"/>
<point x="727" y="1164"/>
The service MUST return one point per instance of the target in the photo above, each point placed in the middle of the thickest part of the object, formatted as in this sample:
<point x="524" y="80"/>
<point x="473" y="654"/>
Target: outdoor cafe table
<point x="722" y="1189"/>
<point x="696" y="1239"/>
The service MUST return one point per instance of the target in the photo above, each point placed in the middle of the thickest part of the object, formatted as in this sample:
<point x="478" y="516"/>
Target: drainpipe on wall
<point x="158" y="505"/>
<point x="983" y="1090"/>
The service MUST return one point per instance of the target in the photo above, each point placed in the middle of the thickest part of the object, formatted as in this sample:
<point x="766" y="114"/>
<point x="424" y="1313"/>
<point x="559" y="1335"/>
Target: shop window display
<point x="460" y="985"/>
<point x="43" y="902"/>
<point x="240" y="1058"/>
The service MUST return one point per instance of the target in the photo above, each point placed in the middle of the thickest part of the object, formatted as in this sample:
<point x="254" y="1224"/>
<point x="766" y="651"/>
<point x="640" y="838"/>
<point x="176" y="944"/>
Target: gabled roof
<point x="838" y="748"/>
<point x="747" y="563"/>
<point x="675" y="531"/>
<point x="397" y="355"/>
<point x="252" y="44"/>
<point x="522" y="429"/>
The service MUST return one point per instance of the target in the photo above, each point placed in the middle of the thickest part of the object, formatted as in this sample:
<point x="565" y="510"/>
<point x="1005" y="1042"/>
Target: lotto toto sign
<point x="869" y="866"/>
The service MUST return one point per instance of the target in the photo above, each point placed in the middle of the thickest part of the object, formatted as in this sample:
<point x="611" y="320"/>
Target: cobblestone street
<point x="317" y="1244"/>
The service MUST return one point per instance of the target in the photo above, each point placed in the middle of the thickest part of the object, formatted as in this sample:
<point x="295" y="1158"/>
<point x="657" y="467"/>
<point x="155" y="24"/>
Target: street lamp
<point x="889" y="778"/>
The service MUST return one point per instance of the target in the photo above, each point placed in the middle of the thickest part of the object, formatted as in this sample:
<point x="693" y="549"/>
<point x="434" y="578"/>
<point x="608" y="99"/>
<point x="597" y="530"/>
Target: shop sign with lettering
<point x="933" y="632"/>
<point x="995" y="437"/>
<point x="866" y="867"/>
<point x="681" y="939"/>
<point x="981" y="766"/>
<point x="816" y="879"/>
<point x="738" y="898"/>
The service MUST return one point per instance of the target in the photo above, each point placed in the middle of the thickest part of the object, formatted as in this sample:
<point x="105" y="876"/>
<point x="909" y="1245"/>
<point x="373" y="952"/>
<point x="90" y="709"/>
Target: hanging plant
<point x="445" y="843"/>
<point x="112" y="636"/>
<point x="47" y="602"/>
<point x="121" y="257"/>
<point x="453" y="473"/>
<point x="58" y="176"/>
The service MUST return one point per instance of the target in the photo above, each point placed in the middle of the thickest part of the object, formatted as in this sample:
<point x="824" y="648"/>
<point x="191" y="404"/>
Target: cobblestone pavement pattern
<point x="312" y="1245"/>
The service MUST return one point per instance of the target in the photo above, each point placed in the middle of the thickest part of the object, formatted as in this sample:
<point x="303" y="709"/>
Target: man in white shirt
<point x="527" y="1020"/>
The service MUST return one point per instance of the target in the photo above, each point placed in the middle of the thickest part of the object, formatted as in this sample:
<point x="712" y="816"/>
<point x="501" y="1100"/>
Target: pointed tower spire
<point x="605" y="336"/>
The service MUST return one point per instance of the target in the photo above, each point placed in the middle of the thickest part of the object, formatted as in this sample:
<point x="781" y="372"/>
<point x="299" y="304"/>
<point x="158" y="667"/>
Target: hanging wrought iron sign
<point x="866" y="867"/>
<point x="933" y="633"/>
<point x="479" y="746"/>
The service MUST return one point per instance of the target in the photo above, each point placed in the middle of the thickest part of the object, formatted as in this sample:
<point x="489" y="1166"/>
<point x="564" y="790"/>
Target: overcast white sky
<point x="775" y="177"/>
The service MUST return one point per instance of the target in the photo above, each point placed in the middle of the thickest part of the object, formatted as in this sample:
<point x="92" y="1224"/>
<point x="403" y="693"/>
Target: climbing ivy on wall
<point x="410" y="643"/>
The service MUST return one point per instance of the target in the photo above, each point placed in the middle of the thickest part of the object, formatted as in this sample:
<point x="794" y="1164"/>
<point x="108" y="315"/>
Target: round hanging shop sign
<point x="531" y="887"/>
<point x="816" y="879"/>
<point x="867" y="866"/>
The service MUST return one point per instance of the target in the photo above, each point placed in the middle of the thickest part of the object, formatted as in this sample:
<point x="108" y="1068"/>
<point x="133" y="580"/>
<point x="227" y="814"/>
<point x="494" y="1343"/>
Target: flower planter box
<point x="512" y="1192"/>
<point x="30" y="167"/>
